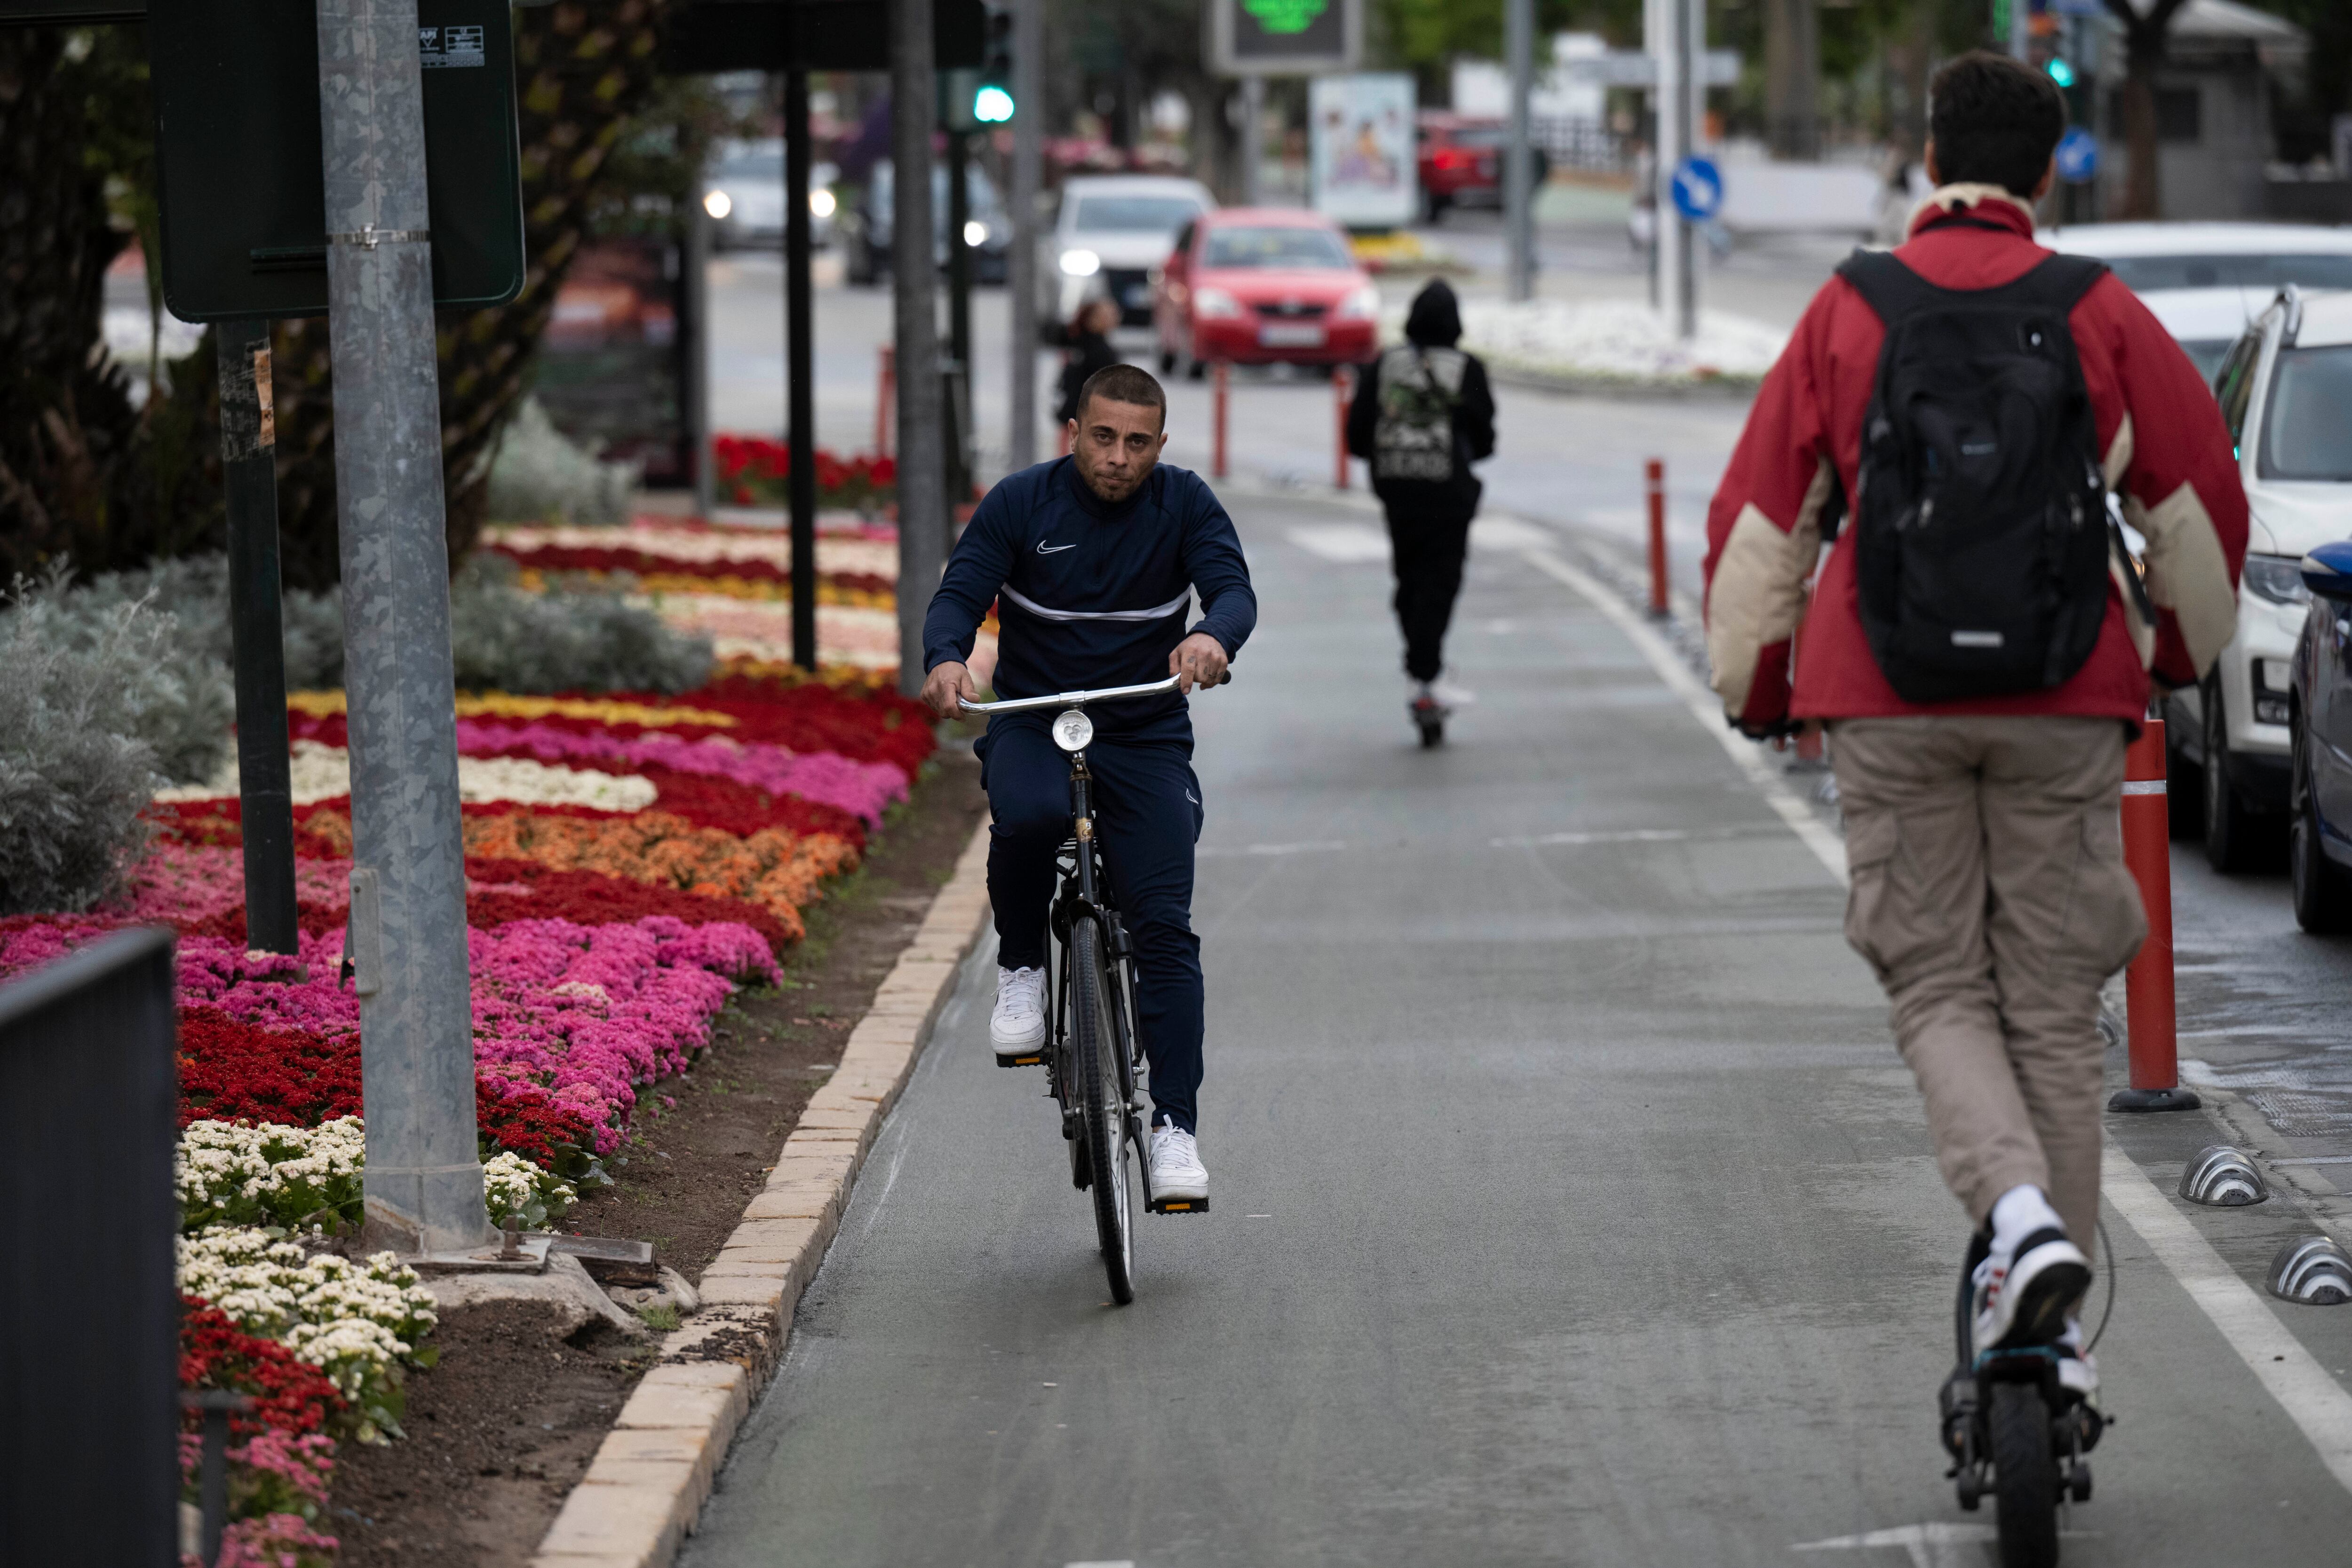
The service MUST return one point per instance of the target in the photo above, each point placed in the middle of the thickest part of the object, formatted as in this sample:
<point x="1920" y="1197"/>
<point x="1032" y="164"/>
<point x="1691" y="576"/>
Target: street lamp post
<point x="407" y="922"/>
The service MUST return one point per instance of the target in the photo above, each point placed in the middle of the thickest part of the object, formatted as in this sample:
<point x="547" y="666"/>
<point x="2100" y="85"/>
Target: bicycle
<point x="1092" y="1053"/>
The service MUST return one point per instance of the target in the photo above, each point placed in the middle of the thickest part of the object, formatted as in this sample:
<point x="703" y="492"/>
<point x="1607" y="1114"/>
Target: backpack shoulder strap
<point x="1885" y="284"/>
<point x="2058" y="282"/>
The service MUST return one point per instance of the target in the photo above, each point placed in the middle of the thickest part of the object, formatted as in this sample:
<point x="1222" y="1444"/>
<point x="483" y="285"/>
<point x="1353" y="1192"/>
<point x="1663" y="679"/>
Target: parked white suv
<point x="2205" y="282"/>
<point x="1113" y="232"/>
<point x="2279" y="387"/>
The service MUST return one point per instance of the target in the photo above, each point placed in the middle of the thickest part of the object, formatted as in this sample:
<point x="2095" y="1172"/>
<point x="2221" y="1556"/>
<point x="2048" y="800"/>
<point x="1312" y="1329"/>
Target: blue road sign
<point x="2078" y="156"/>
<point x="1698" y="189"/>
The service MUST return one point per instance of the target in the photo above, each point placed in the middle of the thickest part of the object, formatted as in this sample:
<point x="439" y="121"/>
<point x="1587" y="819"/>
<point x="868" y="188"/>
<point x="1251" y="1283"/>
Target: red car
<point x="1461" y="162"/>
<point x="1262" y="286"/>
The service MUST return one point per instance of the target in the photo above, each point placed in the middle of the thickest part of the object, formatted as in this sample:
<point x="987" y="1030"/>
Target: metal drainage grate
<point x="2313" y="1270"/>
<point x="2224" y="1177"/>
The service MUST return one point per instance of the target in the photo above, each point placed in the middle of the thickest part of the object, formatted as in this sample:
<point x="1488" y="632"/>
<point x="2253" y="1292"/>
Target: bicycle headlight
<point x="1073" y="730"/>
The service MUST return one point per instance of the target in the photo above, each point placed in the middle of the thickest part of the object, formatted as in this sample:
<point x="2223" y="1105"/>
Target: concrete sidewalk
<point x="1572" y="1205"/>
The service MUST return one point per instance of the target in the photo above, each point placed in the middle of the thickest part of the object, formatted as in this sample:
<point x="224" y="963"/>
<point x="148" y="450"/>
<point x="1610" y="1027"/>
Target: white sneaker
<point x="1017" y="1027"/>
<point x="2025" y="1292"/>
<point x="2078" y="1369"/>
<point x="1178" y="1181"/>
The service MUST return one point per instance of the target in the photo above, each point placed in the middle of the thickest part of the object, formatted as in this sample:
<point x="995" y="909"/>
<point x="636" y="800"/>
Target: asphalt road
<point x="1571" y="1204"/>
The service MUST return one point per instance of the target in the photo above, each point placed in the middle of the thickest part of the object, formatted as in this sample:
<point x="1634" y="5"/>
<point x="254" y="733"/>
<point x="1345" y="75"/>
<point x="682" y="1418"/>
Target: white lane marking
<point x="1939" y="1543"/>
<point x="1632" y="836"/>
<point x="2312" y="1398"/>
<point x="2304" y="1388"/>
<point x="1307" y="846"/>
<point x="1744" y="753"/>
<point x="1499" y="532"/>
<point x="1350" y="543"/>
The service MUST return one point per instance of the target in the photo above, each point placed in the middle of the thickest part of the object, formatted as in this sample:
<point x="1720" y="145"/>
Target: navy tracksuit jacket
<point x="1090" y="595"/>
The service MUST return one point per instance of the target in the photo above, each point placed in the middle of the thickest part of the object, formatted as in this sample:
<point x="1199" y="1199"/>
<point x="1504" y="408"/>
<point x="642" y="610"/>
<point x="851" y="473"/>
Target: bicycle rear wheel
<point x="1096" y="1045"/>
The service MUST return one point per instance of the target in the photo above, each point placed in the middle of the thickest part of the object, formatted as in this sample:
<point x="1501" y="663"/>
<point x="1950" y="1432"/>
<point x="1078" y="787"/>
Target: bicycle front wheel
<point x="1094" y="1043"/>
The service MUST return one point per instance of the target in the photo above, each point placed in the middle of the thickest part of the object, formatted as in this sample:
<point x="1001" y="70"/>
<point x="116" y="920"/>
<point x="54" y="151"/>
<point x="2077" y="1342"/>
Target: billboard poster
<point x="1360" y="149"/>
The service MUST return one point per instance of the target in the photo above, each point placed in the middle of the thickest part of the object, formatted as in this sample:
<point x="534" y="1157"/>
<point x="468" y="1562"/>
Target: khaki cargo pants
<point x="1990" y="893"/>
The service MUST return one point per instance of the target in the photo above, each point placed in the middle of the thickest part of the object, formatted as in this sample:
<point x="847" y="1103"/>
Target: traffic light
<point x="991" y="103"/>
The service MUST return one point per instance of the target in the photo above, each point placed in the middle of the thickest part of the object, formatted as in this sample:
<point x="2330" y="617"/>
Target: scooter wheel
<point x="2025" y="1477"/>
<point x="1433" y="733"/>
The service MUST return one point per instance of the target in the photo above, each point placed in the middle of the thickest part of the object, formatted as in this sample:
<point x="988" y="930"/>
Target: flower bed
<point x="756" y="468"/>
<point x="631" y="860"/>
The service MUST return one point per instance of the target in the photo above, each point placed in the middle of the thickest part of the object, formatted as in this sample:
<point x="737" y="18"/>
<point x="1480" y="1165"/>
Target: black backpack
<point x="1981" y="524"/>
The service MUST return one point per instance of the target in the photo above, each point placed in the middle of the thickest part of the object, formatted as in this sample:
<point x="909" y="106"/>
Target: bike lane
<point x="1571" y="1203"/>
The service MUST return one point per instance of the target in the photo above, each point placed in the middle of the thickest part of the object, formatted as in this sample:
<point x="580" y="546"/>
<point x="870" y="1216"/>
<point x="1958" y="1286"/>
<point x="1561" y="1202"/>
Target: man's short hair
<point x="1995" y="121"/>
<point x="1124" y="383"/>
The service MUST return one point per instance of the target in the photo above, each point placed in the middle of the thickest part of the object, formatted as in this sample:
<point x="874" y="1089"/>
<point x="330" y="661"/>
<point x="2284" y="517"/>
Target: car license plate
<point x="1290" y="335"/>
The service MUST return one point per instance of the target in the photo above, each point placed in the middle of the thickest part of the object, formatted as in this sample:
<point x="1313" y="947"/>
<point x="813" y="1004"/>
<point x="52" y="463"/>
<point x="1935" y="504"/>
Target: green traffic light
<point x="992" y="105"/>
<point x="2062" y="73"/>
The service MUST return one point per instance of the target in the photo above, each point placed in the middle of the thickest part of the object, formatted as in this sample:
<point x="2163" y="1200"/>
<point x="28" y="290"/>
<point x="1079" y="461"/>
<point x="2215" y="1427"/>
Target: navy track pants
<point x="1147" y="814"/>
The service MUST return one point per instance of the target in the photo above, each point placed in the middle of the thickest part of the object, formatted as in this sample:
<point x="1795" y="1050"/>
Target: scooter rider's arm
<point x="981" y="561"/>
<point x="2170" y="461"/>
<point x="1364" y="411"/>
<point x="1219" y="571"/>
<point x="1763" y="528"/>
<point x="1475" y="416"/>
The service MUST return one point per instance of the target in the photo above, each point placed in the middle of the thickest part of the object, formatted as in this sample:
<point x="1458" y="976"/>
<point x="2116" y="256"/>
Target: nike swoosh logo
<point x="1045" y="549"/>
<point x="1191" y="797"/>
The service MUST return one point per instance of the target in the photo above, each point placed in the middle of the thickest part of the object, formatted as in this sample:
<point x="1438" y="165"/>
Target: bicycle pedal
<point x="1178" y="1205"/>
<point x="1026" y="1059"/>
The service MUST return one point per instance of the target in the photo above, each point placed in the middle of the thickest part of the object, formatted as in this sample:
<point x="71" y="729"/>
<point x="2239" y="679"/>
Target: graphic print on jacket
<point x="1090" y="595"/>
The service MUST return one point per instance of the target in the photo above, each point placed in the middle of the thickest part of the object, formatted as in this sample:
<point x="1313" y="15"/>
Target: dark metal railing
<point x="90" y="1417"/>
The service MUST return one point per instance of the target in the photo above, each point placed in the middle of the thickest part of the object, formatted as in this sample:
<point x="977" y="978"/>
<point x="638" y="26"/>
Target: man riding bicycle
<point x="1091" y="561"/>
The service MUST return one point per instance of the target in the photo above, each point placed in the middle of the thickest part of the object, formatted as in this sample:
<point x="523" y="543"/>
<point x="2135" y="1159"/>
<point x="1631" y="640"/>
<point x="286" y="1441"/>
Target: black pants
<point x="1148" y="808"/>
<point x="1427" y="555"/>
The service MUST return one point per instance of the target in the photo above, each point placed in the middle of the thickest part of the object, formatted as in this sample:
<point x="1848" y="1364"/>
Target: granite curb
<point x="648" y="1483"/>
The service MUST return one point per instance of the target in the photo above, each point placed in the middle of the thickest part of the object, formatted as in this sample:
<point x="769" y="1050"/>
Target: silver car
<point x="744" y="194"/>
<point x="1113" y="232"/>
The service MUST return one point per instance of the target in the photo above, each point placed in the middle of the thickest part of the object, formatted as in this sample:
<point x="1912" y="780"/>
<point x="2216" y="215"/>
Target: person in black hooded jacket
<point x="1423" y="414"/>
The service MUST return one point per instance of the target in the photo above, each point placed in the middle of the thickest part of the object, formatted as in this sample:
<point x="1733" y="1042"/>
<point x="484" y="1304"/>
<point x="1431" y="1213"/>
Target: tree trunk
<point x="2144" y="54"/>
<point x="581" y="69"/>
<point x="1792" y="77"/>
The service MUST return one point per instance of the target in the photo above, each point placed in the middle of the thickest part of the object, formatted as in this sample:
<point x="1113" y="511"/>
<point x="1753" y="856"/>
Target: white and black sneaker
<point x="2024" y="1293"/>
<point x="1179" y="1183"/>
<point x="2078" y="1369"/>
<point x="1017" y="1027"/>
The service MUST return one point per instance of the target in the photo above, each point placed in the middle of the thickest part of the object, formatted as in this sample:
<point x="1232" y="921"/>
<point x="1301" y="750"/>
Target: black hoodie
<point x="1433" y="322"/>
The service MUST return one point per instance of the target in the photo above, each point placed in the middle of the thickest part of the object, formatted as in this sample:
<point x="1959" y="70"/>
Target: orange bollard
<point x="1656" y="475"/>
<point x="1218" y="389"/>
<point x="2148" y="984"/>
<point x="886" y="397"/>
<point x="1343" y="384"/>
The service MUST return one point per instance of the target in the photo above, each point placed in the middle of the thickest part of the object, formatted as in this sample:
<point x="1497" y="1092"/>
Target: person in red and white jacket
<point x="1988" y="887"/>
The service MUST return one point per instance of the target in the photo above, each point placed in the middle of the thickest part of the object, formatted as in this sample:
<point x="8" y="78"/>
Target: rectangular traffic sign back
<point x="240" y="178"/>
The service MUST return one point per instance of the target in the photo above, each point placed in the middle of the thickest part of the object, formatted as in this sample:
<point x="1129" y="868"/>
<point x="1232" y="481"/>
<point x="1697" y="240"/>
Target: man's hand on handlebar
<point x="948" y="686"/>
<point x="1198" y="660"/>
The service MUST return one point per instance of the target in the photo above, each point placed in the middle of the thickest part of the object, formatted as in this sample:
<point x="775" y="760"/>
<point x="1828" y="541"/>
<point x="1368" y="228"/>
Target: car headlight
<point x="820" y="203"/>
<point x="1216" y="303"/>
<point x="718" y="203"/>
<point x="975" y="232"/>
<point x="1361" y="304"/>
<point x="2278" y="578"/>
<point x="1081" y="263"/>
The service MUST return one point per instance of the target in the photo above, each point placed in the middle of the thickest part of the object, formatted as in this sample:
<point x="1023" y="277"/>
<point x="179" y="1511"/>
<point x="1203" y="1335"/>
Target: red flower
<point x="289" y="1395"/>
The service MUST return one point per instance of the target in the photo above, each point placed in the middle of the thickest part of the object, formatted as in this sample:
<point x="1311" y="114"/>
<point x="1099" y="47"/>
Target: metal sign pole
<point x="1253" y="139"/>
<point x="1519" y="164"/>
<point x="801" y="367"/>
<point x="1021" y="276"/>
<point x="922" y="502"/>
<point x="256" y="633"/>
<point x="1690" y="26"/>
<point x="1663" y="38"/>
<point x="698" y="354"/>
<point x="407" y="930"/>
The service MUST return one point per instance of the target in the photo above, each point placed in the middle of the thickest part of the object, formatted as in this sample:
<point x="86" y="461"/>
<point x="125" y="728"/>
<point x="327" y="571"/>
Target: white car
<point x="2280" y="390"/>
<point x="744" y="194"/>
<point x="1113" y="233"/>
<point x="2205" y="281"/>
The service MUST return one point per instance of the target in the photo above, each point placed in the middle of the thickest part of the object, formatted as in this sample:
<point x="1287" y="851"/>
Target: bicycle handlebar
<point x="1078" y="698"/>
